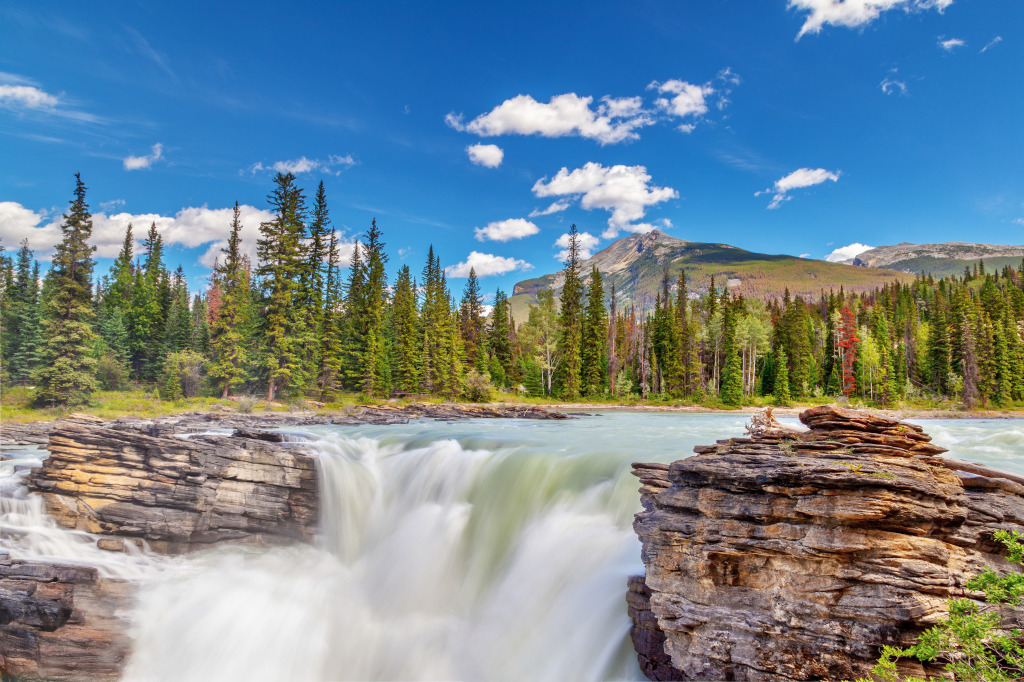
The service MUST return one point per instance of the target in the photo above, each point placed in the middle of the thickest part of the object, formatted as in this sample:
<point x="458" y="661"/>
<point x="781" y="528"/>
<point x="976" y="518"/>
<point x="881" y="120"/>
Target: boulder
<point x="790" y="555"/>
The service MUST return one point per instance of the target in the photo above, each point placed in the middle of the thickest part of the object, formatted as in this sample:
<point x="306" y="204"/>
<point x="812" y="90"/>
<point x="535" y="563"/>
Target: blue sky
<point x="797" y="126"/>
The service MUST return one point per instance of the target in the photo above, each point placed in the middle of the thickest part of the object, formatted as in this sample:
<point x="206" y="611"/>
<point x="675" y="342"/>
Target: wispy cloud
<point x="992" y="43"/>
<point x="555" y="207"/>
<point x="143" y="47"/>
<point x="800" y="178"/>
<point x="139" y="162"/>
<point x="891" y="86"/>
<point x="333" y="165"/>
<point x="24" y="96"/>
<point x="950" y="44"/>
<point x="855" y="13"/>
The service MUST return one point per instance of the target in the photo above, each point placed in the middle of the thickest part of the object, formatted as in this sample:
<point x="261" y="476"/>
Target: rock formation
<point x="61" y="622"/>
<point x="791" y="555"/>
<point x="176" y="494"/>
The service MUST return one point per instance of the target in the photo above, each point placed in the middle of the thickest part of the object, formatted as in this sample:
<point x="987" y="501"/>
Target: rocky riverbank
<point x="795" y="555"/>
<point x="171" y="484"/>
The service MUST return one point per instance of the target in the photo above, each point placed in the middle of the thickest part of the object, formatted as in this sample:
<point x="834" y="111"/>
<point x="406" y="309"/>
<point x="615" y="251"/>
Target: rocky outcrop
<point x="795" y="555"/>
<point x="60" y="622"/>
<point x="176" y="494"/>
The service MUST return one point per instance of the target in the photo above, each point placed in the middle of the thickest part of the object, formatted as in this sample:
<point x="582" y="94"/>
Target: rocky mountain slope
<point x="635" y="265"/>
<point x="939" y="260"/>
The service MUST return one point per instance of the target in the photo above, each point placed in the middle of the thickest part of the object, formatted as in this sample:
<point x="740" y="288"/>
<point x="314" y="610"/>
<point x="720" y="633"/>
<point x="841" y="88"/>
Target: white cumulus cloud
<point x="138" y="162"/>
<point x="27" y="96"/>
<point x="625" y="191"/>
<point x="190" y="227"/>
<point x="847" y="252"/>
<point x="486" y="155"/>
<point x="586" y="243"/>
<point x="333" y="165"/>
<point x="854" y="13"/>
<point x="486" y="264"/>
<point x="951" y="44"/>
<point x="801" y="177"/>
<point x="562" y="115"/>
<point x="505" y="230"/>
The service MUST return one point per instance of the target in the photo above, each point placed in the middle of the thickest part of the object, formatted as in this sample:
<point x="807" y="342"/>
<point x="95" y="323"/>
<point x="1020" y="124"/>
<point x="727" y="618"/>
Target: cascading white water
<point x="479" y="550"/>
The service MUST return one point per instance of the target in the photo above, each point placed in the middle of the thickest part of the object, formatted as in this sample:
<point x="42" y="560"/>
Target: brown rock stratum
<point x="790" y="555"/>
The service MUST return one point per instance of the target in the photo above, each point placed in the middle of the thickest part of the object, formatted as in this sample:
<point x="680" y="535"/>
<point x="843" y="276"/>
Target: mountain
<point x="635" y="264"/>
<point x="939" y="260"/>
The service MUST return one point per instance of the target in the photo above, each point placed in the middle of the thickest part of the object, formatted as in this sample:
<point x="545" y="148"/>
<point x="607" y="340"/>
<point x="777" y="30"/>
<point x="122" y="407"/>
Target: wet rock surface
<point x="790" y="555"/>
<point x="61" y="622"/>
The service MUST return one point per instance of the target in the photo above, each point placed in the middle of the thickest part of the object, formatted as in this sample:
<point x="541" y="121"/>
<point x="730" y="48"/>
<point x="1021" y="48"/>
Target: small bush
<point x="183" y="375"/>
<point x="477" y="387"/>
<point x="111" y="373"/>
<point x="247" y="403"/>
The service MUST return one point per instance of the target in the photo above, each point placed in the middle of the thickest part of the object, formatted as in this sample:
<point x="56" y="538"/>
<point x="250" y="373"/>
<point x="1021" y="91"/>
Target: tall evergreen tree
<point x="405" y="320"/>
<point x="65" y="375"/>
<point x="282" y="259"/>
<point x="594" y="334"/>
<point x="472" y="323"/>
<point x="500" y="341"/>
<point x="732" y="372"/>
<point x="571" y="320"/>
<point x="229" y="340"/>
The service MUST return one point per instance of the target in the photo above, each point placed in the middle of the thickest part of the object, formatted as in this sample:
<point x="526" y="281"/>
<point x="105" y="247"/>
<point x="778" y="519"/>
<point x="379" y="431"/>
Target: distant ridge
<point x="939" y="260"/>
<point x="634" y="264"/>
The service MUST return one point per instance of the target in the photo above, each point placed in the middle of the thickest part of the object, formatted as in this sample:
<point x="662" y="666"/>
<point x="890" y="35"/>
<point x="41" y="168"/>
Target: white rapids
<point x="472" y="550"/>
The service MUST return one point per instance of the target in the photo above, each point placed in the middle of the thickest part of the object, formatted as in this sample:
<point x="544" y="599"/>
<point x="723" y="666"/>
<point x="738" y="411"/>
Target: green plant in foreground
<point x="973" y="643"/>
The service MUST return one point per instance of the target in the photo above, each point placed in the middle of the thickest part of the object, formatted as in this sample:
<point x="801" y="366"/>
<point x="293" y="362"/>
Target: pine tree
<point x="969" y="367"/>
<point x="375" y="379"/>
<point x="118" y="294"/>
<point x="65" y="375"/>
<point x="594" y="334"/>
<point x="500" y="341"/>
<point x="282" y="258"/>
<point x="938" y="347"/>
<point x="781" y="383"/>
<point x="353" y="343"/>
<point x="332" y="339"/>
<point x="472" y="323"/>
<point x="405" y="321"/>
<point x="229" y="341"/>
<point x="571" y="320"/>
<point x="732" y="373"/>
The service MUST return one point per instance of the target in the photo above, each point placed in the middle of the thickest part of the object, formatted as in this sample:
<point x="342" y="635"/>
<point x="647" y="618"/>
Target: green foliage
<point x="973" y="643"/>
<point x="477" y="387"/>
<point x="571" y="321"/>
<point x="183" y="375"/>
<point x="65" y="374"/>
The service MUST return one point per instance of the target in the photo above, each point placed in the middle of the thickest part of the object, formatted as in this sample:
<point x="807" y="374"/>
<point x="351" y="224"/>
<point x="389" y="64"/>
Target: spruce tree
<point x="571" y="320"/>
<point x="732" y="372"/>
<point x="282" y="259"/>
<point x="781" y="383"/>
<point x="405" y="320"/>
<point x="500" y="341"/>
<point x="65" y="375"/>
<point x="594" y="335"/>
<point x="118" y="294"/>
<point x="472" y="323"/>
<point x="375" y="379"/>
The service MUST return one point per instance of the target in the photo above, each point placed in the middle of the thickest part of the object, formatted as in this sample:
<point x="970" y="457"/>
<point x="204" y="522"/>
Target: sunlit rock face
<point x="795" y="555"/>
<point x="177" y="494"/>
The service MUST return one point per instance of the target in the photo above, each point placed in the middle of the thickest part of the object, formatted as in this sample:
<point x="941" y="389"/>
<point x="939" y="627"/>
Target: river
<point x="483" y="549"/>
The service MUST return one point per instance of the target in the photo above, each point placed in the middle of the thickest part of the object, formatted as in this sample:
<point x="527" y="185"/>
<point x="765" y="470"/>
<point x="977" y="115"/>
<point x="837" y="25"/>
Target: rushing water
<point x="474" y="550"/>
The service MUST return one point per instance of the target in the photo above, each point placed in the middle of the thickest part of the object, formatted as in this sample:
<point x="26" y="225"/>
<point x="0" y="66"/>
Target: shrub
<point x="183" y="375"/>
<point x="477" y="387"/>
<point x="111" y="373"/>
<point x="974" y="643"/>
<point x="247" y="403"/>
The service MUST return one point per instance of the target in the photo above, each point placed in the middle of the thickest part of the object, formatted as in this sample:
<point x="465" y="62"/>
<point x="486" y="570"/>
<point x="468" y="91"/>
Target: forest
<point x="298" y="324"/>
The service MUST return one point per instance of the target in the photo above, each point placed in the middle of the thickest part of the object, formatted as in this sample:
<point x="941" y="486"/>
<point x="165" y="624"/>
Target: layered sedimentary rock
<point x="795" y="555"/>
<point x="60" y="622"/>
<point x="176" y="494"/>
